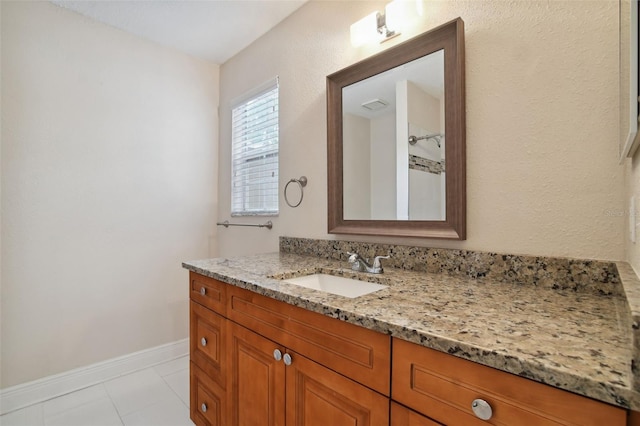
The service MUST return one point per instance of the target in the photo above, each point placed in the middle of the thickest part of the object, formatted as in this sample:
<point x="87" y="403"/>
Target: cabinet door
<point x="257" y="379"/>
<point x="317" y="396"/>
<point x="402" y="416"/>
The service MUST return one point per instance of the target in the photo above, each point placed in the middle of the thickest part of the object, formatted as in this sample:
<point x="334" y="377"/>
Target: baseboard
<point x="23" y="395"/>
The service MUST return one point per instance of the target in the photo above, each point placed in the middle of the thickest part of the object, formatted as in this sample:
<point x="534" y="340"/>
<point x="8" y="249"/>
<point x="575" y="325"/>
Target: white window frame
<point x="255" y="152"/>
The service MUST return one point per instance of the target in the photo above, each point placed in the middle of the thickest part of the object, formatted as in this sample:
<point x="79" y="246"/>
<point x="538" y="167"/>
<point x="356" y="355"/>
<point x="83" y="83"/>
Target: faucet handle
<point x="355" y="260"/>
<point x="376" y="261"/>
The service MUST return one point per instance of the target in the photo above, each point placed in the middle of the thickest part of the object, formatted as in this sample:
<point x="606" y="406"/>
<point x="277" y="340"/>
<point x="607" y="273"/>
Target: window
<point x="254" y="154"/>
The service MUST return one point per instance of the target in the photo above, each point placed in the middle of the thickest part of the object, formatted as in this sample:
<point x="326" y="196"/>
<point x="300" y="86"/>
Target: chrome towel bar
<point x="226" y="224"/>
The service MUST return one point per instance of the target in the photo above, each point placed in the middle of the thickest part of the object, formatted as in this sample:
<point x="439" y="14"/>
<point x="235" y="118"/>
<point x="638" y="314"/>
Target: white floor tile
<point x="179" y="382"/>
<point x="174" y="366"/>
<point x="156" y="396"/>
<point x="170" y="412"/>
<point x="94" y="413"/>
<point x="138" y="390"/>
<point x="29" y="416"/>
<point x="73" y="400"/>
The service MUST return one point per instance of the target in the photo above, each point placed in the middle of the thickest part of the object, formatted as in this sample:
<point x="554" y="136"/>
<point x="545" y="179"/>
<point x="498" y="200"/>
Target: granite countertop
<point x="578" y="341"/>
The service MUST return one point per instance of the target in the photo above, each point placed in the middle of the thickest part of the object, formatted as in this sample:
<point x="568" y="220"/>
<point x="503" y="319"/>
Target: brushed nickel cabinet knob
<point x="287" y="359"/>
<point x="277" y="355"/>
<point x="481" y="409"/>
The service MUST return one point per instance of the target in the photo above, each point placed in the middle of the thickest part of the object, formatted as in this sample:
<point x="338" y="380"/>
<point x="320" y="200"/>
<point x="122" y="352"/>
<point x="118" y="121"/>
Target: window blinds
<point x="254" y="154"/>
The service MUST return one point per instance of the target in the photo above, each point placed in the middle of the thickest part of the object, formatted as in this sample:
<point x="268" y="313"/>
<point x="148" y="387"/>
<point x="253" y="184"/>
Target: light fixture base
<point x="389" y="35"/>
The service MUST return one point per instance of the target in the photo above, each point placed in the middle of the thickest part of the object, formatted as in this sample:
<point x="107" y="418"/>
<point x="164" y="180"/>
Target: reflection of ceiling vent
<point x="375" y="104"/>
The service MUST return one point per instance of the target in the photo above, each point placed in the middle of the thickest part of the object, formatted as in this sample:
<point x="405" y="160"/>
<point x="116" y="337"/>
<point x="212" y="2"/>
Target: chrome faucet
<point x="361" y="265"/>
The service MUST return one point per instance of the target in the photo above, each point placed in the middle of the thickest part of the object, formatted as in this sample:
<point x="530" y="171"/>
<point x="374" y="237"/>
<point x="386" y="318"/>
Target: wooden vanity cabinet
<point x="259" y="361"/>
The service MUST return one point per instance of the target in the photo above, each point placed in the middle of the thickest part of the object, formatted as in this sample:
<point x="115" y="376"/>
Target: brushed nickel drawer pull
<point x="203" y="341"/>
<point x="203" y="291"/>
<point x="203" y="407"/>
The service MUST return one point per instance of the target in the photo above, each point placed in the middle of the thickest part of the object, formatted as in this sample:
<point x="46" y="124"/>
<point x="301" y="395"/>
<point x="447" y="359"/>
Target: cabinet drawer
<point x="443" y="387"/>
<point x="206" y="341"/>
<point x="356" y="352"/>
<point x="207" y="399"/>
<point x="208" y="292"/>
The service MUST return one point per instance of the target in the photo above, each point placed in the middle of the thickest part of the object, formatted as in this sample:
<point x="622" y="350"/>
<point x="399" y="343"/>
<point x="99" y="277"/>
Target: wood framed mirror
<point x="396" y="140"/>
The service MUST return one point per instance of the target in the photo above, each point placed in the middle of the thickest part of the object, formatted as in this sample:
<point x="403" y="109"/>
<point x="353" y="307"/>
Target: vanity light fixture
<point x="384" y="26"/>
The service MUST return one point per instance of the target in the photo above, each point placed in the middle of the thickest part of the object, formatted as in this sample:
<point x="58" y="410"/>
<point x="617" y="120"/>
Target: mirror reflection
<point x="394" y="141"/>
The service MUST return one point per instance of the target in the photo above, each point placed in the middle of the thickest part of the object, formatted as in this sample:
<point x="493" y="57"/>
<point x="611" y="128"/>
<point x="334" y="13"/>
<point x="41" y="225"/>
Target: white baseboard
<point x="23" y="395"/>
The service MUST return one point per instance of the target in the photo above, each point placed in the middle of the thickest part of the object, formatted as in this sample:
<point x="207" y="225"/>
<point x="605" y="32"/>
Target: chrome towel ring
<point x="302" y="182"/>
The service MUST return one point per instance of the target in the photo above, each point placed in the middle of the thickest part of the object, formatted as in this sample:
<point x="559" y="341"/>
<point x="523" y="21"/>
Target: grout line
<point x="173" y="390"/>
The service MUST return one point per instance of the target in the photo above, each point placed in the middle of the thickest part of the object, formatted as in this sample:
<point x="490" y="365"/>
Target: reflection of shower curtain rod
<point x="437" y="136"/>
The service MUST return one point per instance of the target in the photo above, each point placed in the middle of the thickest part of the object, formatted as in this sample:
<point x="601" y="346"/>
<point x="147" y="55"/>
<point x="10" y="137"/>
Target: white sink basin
<point x="336" y="285"/>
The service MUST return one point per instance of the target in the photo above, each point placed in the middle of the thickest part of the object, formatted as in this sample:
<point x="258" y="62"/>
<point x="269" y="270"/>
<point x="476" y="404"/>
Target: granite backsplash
<point x="599" y="277"/>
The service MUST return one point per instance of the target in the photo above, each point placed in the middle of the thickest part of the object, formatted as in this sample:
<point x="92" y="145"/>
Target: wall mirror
<point x="396" y="140"/>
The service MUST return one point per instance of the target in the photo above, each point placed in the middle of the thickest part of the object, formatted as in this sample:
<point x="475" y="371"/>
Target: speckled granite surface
<point x="581" y="341"/>
<point x="556" y="273"/>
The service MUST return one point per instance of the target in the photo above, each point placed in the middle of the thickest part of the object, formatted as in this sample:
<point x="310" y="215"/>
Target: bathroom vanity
<point x="428" y="349"/>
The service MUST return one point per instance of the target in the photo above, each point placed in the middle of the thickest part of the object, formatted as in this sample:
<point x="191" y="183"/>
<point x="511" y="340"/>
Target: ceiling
<point x="213" y="30"/>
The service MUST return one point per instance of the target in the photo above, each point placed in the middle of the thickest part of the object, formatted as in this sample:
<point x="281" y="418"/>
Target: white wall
<point x="357" y="179"/>
<point x="542" y="122"/>
<point x="402" y="150"/>
<point x="109" y="147"/>
<point x="369" y="184"/>
<point x="383" y="172"/>
<point x="423" y="109"/>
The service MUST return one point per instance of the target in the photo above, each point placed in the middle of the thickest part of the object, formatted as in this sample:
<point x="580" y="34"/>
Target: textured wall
<point x="542" y="122"/>
<point x="108" y="143"/>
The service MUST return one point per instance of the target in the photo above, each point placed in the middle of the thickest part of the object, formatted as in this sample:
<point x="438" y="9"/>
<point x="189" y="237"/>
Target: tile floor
<point x="156" y="396"/>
